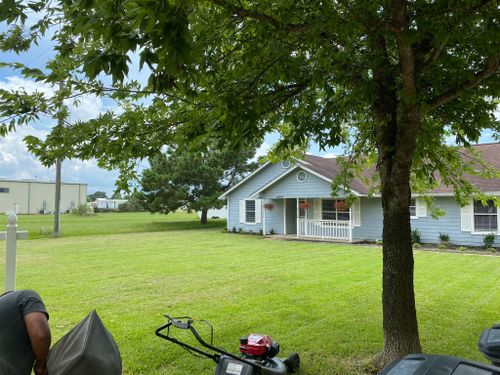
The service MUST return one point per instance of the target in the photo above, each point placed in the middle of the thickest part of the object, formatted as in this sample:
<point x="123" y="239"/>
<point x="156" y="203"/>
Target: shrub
<point x="81" y="210"/>
<point x="444" y="238"/>
<point x="462" y="248"/>
<point x="489" y="240"/>
<point x="240" y="229"/>
<point x="261" y="232"/>
<point x="492" y="250"/>
<point x="233" y="230"/>
<point x="415" y="236"/>
<point x="271" y="231"/>
<point x="442" y="246"/>
<point x="379" y="242"/>
<point x="417" y="245"/>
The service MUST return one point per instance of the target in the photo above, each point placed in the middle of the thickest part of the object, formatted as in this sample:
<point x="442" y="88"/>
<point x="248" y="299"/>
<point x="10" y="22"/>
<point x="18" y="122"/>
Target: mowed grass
<point x="42" y="226"/>
<point x="320" y="300"/>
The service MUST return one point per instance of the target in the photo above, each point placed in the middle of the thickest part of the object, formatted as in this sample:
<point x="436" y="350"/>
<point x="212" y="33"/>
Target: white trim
<point x="244" y="213"/>
<point x="263" y="217"/>
<point x="284" y="215"/>
<point x="245" y="179"/>
<point x="283" y="164"/>
<point x="416" y="208"/>
<point x="228" y="214"/>
<point x="272" y="182"/>
<point x="473" y="226"/>
<point x="275" y="180"/>
<point x="305" y="176"/>
<point x="297" y="200"/>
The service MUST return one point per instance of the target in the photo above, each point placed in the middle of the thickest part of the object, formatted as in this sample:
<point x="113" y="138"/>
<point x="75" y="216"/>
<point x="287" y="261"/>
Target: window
<point x="334" y="209"/>
<point x="413" y="207"/>
<point x="4" y="190"/>
<point x="250" y="211"/>
<point x="286" y="164"/>
<point x="485" y="217"/>
<point x="302" y="176"/>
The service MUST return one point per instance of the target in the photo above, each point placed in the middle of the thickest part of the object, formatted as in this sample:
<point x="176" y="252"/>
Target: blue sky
<point x="17" y="163"/>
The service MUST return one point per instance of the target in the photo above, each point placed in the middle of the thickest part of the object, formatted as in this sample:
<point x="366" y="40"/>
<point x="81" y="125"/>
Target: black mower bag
<point x="89" y="348"/>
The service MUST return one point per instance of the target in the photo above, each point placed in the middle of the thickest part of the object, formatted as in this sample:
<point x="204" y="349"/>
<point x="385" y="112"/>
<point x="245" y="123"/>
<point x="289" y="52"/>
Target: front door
<point x="291" y="216"/>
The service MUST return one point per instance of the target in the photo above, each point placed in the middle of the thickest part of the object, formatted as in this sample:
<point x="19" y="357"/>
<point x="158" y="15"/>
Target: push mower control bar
<point x="187" y="324"/>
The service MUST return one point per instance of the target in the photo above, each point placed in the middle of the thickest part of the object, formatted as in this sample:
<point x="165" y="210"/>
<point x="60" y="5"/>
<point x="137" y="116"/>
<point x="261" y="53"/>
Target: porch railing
<point x="325" y="229"/>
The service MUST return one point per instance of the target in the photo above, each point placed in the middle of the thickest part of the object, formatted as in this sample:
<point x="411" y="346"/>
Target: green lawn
<point x="321" y="300"/>
<point x="42" y="226"/>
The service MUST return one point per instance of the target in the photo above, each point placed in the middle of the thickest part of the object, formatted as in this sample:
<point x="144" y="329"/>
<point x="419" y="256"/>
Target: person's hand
<point x="40" y="367"/>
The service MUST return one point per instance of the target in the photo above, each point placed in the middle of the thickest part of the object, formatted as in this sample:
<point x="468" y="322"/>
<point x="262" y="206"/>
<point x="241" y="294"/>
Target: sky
<point x="17" y="163"/>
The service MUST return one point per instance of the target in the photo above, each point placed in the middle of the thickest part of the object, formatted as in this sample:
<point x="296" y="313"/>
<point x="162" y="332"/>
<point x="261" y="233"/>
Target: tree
<point x="194" y="180"/>
<point x="393" y="79"/>
<point x="98" y="194"/>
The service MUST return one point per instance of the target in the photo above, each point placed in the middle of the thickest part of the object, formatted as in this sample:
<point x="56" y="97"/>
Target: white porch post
<point x="298" y="221"/>
<point x="263" y="217"/>
<point x="284" y="215"/>
<point x="350" y="224"/>
<point x="228" y="214"/>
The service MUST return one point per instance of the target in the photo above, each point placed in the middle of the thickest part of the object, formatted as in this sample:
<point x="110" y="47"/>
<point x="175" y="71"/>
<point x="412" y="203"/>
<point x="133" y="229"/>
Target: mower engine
<point x="259" y="347"/>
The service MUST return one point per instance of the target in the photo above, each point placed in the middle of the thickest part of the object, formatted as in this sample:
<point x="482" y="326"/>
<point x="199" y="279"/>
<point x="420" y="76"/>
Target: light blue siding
<point x="449" y="224"/>
<point x="290" y="187"/>
<point x="245" y="190"/>
<point x="372" y="221"/>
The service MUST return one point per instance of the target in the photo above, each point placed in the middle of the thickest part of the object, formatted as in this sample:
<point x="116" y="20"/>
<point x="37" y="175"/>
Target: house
<point x="107" y="203"/>
<point x="38" y="197"/>
<point x="296" y="199"/>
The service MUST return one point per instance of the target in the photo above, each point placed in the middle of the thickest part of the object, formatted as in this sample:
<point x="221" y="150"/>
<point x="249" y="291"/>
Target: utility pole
<point x="57" y="213"/>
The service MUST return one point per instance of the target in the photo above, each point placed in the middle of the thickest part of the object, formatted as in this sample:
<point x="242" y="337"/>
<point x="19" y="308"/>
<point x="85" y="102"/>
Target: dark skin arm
<point x="38" y="329"/>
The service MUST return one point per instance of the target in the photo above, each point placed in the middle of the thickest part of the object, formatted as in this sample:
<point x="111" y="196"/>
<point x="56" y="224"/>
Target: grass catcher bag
<point x="87" y="349"/>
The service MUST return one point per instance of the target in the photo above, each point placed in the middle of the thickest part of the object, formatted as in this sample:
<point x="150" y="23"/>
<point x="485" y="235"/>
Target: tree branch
<point x="492" y="67"/>
<point x="248" y="13"/>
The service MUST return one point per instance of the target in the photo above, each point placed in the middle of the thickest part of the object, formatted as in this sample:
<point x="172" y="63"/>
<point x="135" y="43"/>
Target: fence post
<point x="11" y="236"/>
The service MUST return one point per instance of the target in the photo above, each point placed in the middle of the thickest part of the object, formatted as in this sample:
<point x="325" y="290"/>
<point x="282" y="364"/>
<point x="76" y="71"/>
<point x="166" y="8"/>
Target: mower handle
<point x="178" y="323"/>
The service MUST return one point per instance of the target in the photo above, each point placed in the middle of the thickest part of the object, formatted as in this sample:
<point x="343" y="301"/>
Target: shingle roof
<point x="490" y="153"/>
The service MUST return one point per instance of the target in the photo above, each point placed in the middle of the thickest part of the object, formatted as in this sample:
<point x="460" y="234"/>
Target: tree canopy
<point x="396" y="80"/>
<point x="192" y="180"/>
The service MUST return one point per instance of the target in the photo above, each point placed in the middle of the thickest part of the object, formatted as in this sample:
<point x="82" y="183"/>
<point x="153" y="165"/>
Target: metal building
<point x="38" y="197"/>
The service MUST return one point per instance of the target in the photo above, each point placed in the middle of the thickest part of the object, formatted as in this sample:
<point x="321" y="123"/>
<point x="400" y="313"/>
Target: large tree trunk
<point x="398" y="297"/>
<point x="203" y="219"/>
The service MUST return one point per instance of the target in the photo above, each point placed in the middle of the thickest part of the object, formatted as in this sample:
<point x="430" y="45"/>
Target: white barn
<point x="38" y="197"/>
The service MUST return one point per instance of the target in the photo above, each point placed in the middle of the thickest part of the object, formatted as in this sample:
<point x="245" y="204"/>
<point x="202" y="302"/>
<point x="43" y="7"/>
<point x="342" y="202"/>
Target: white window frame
<point x="335" y="210"/>
<point x="413" y="205"/>
<point x="305" y="176"/>
<point x="254" y="211"/>
<point x="257" y="208"/>
<point x="473" y="221"/>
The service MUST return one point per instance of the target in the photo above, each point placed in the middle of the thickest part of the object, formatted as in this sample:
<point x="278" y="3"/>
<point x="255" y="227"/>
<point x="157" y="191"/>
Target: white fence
<point x="325" y="229"/>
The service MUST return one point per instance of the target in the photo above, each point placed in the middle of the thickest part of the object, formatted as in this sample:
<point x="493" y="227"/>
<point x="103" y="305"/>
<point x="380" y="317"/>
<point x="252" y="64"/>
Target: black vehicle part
<point x="425" y="364"/>
<point x="489" y="344"/>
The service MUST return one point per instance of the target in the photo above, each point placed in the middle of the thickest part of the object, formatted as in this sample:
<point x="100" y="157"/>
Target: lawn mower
<point x="257" y="352"/>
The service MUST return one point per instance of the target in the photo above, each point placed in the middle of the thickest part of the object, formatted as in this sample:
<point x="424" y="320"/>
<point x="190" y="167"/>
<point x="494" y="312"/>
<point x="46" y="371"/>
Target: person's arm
<point x="38" y="329"/>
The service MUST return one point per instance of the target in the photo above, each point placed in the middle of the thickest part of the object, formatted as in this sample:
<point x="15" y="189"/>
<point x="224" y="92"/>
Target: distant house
<point x="38" y="197"/>
<point x="107" y="203"/>
<point x="296" y="200"/>
<point x="215" y="213"/>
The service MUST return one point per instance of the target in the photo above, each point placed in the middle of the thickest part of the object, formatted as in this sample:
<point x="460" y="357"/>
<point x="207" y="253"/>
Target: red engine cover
<point x="256" y="345"/>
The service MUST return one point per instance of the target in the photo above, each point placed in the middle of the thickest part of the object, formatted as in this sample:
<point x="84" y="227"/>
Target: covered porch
<point x="316" y="218"/>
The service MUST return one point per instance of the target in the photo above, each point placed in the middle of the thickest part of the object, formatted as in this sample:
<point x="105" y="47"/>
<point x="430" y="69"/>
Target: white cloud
<point x="330" y="155"/>
<point x="263" y="150"/>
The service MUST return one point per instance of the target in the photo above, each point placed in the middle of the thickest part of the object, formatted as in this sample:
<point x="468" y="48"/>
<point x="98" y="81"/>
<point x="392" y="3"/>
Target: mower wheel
<point x="292" y="363"/>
